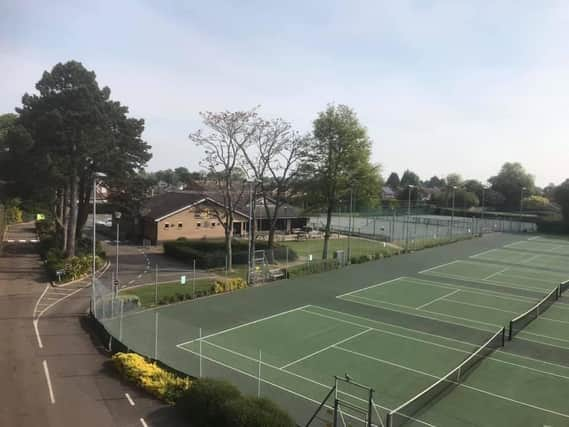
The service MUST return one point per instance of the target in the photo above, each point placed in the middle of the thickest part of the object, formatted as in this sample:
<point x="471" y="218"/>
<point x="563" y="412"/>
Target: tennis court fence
<point x="405" y="412"/>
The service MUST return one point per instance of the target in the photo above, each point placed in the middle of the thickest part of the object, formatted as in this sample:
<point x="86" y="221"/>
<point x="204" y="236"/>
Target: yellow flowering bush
<point x="151" y="377"/>
<point x="228" y="285"/>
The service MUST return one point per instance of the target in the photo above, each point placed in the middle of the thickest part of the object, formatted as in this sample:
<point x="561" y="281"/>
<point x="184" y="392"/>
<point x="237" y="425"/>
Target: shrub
<point x="313" y="268"/>
<point x="228" y="285"/>
<point x="203" y="402"/>
<point x="256" y="412"/>
<point x="210" y="402"/>
<point x="148" y="375"/>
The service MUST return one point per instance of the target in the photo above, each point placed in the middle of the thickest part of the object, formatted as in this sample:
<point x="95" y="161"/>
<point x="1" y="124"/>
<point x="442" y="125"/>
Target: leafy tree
<point x="462" y="198"/>
<point x="64" y="134"/>
<point x="561" y="196"/>
<point x="340" y="160"/>
<point x="510" y="181"/>
<point x="393" y="181"/>
<point x="493" y="199"/>
<point x="536" y="203"/>
<point x="435" y="182"/>
<point x="7" y="122"/>
<point x="410" y="178"/>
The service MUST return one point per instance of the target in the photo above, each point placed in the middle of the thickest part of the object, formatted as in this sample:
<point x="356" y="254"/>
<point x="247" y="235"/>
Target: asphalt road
<point x="52" y="373"/>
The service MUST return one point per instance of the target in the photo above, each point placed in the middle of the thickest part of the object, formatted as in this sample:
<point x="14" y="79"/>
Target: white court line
<point x="129" y="399"/>
<point x="437" y="299"/>
<point x="471" y="290"/>
<point x="493" y="282"/>
<point x="483" y="306"/>
<point x="496" y="273"/>
<point x="243" y="324"/>
<point x="458" y="384"/>
<point x="445" y="346"/>
<point x="143" y="422"/>
<point x="482" y="253"/>
<point x="308" y="356"/>
<point x="530" y="259"/>
<point x="369" y="287"/>
<point x="534" y="238"/>
<point x="439" y="266"/>
<point x="48" y="379"/>
<point x="440" y="336"/>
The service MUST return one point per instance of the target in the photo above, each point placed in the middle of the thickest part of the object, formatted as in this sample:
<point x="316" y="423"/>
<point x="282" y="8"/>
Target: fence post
<point x="259" y="376"/>
<point x="200" y="352"/>
<point x="286" y="262"/>
<point x="194" y="280"/>
<point x="155" y="335"/>
<point x="155" y="284"/>
<point x="120" y="320"/>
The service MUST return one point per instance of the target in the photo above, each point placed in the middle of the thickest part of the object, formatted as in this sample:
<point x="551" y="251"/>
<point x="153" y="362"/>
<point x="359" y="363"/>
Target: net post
<point x="389" y="420"/>
<point x="511" y="333"/>
<point x="503" y="337"/>
<point x="370" y="402"/>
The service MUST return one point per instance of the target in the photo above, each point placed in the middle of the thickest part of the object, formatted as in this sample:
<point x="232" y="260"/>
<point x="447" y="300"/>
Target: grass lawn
<point x="358" y="247"/>
<point x="146" y="293"/>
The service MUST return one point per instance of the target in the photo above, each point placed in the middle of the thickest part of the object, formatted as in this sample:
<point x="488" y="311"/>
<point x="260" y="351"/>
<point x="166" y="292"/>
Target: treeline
<point x="60" y="140"/>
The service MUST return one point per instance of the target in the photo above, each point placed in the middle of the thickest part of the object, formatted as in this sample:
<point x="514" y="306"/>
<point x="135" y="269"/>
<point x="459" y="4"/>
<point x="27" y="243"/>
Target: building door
<point x="237" y="226"/>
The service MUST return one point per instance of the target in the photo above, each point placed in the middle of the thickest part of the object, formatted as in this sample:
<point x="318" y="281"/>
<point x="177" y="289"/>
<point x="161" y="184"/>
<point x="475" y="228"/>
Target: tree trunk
<point x="74" y="210"/>
<point x="85" y="194"/>
<point x="229" y="241"/>
<point x="327" y="230"/>
<point x="65" y="218"/>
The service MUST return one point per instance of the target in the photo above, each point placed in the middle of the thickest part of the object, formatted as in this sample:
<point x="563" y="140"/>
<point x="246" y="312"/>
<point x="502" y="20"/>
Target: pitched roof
<point x="170" y="202"/>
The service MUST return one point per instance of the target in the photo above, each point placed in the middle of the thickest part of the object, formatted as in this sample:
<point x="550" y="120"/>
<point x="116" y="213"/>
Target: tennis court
<point x="509" y="256"/>
<point x="540" y="246"/>
<point x="301" y="349"/>
<point x="430" y="343"/>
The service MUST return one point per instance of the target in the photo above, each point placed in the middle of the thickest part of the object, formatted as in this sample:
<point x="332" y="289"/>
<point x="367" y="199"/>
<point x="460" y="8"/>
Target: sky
<point x="441" y="86"/>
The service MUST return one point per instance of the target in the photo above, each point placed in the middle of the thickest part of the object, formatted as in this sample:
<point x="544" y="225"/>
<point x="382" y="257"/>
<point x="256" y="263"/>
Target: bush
<point x="228" y="285"/>
<point x="203" y="402"/>
<point x="313" y="268"/>
<point x="148" y="375"/>
<point x="210" y="402"/>
<point x="211" y="253"/>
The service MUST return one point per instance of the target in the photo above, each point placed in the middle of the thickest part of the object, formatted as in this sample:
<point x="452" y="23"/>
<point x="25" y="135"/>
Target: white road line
<point x="37" y="331"/>
<point x="438" y="266"/>
<point x="496" y="273"/>
<point x="143" y="422"/>
<point x="40" y="298"/>
<point x="368" y="287"/>
<point x="243" y="325"/>
<point x="22" y="241"/>
<point x="11" y="241"/>
<point x="129" y="399"/>
<point x="48" y="379"/>
<point x="438" y="299"/>
<point x="308" y="356"/>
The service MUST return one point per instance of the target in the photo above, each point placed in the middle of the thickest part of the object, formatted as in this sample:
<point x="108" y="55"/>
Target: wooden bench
<point x="276" y="273"/>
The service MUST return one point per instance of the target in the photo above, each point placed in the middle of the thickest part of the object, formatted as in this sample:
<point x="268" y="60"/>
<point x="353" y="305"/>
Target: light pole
<point x="452" y="211"/>
<point x="117" y="218"/>
<point x="350" y="224"/>
<point x="95" y="176"/>
<point x="522" y="200"/>
<point x="484" y="188"/>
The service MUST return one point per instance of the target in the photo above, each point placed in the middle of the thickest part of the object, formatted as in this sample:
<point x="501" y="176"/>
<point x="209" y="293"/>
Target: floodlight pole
<point x="94" y="242"/>
<point x="409" y="189"/>
<point x="117" y="218"/>
<point x="452" y="212"/>
<point x="350" y="224"/>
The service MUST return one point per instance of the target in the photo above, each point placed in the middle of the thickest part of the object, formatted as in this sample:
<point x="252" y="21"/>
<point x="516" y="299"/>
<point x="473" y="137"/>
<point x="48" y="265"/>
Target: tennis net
<point x="524" y="319"/>
<point x="563" y="286"/>
<point x="405" y="412"/>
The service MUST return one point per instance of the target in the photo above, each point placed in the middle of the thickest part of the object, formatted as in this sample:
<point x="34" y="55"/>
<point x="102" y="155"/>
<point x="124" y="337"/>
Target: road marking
<point x="48" y="379"/>
<point x="10" y="241"/>
<point x="36" y="329"/>
<point x="22" y="241"/>
<point x="129" y="399"/>
<point x="438" y="299"/>
<point x="143" y="422"/>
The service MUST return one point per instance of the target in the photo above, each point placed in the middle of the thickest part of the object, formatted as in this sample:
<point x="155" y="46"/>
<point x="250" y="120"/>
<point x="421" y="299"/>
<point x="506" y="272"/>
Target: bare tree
<point x="273" y="156"/>
<point x="227" y="133"/>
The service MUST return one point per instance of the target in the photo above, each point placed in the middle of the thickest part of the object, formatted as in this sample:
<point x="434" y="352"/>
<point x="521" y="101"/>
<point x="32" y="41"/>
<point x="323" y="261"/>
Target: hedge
<point x="210" y="402"/>
<point x="211" y="253"/>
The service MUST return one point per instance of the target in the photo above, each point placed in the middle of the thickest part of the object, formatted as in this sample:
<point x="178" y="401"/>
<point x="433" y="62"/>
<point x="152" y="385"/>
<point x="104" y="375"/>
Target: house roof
<point x="166" y="204"/>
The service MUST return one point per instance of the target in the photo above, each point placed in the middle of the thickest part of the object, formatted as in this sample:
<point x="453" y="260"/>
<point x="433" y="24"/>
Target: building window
<point x="166" y="225"/>
<point x="213" y="224"/>
<point x="199" y="224"/>
<point x="180" y="225"/>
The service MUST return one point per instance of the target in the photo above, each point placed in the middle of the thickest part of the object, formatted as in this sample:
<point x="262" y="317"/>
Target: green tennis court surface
<point x="540" y="246"/>
<point x="411" y="321"/>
